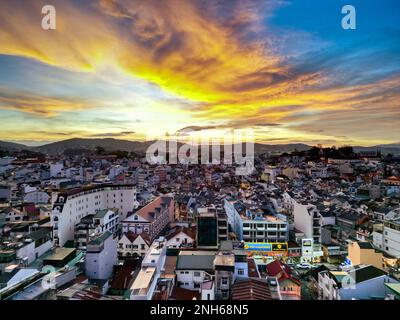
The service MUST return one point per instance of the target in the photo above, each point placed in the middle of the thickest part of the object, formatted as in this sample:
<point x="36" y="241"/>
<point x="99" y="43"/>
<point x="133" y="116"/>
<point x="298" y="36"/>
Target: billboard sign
<point x="267" y="247"/>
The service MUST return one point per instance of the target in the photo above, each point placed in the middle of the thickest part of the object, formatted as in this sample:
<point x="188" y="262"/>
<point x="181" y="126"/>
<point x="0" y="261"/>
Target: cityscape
<point x="199" y="150"/>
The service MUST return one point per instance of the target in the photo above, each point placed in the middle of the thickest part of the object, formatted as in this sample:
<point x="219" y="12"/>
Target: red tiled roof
<point x="281" y="271"/>
<point x="151" y="210"/>
<point x="253" y="272"/>
<point x="133" y="236"/>
<point x="190" y="232"/>
<point x="251" y="289"/>
<point x="124" y="275"/>
<point x="184" y="294"/>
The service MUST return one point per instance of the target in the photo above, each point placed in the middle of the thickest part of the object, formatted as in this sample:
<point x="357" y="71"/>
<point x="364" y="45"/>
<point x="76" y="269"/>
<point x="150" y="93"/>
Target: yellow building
<point x="364" y="253"/>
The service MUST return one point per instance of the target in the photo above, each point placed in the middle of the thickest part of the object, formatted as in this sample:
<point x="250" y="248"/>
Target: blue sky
<point x="135" y="70"/>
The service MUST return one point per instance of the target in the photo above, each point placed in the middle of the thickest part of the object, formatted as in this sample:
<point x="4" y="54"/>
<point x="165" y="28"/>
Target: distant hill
<point x="263" y="148"/>
<point x="76" y="145"/>
<point x="11" y="146"/>
<point x="384" y="149"/>
<point x="108" y="144"/>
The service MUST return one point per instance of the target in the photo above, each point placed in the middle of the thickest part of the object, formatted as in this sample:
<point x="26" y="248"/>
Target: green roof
<point x="395" y="287"/>
<point x="100" y="214"/>
<point x="197" y="261"/>
<point x="39" y="234"/>
<point x="99" y="240"/>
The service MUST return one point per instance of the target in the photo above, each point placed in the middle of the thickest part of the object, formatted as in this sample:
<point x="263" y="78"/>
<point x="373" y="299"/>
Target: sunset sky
<point x="135" y="69"/>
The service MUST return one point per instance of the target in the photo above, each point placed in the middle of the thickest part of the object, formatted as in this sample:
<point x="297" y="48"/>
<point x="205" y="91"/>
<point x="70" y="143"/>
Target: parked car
<point x="304" y="265"/>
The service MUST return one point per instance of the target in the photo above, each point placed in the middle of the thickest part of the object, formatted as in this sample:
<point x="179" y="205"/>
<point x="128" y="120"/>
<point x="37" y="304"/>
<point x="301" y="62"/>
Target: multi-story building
<point x="308" y="220"/>
<point x="194" y="267"/>
<point x="362" y="282"/>
<point x="107" y="220"/>
<point x="389" y="239"/>
<point x="212" y="227"/>
<point x="254" y="225"/>
<point x="364" y="253"/>
<point x="152" y="219"/>
<point x="258" y="227"/>
<point x="224" y="271"/>
<point x="71" y="206"/>
<point x="145" y="283"/>
<point x="101" y="256"/>
<point x="133" y="245"/>
<point x="84" y="232"/>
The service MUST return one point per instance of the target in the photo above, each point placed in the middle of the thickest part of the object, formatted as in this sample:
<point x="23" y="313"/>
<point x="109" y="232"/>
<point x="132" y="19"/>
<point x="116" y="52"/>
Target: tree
<point x="100" y="150"/>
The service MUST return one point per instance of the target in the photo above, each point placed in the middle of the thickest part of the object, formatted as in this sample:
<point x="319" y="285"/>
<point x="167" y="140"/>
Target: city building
<point x="71" y="206"/>
<point x="145" y="283"/>
<point x="152" y="219"/>
<point x="101" y="256"/>
<point x="362" y="282"/>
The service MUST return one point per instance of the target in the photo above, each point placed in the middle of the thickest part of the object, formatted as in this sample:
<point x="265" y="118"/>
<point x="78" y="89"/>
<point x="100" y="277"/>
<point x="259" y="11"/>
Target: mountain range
<point x="110" y="144"/>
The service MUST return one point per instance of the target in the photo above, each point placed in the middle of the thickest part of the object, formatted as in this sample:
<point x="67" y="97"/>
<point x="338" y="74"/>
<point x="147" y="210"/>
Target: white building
<point x="132" y="244"/>
<point x="106" y="220"/>
<point x="254" y="225"/>
<point x="194" y="268"/>
<point x="35" y="244"/>
<point x="56" y="169"/>
<point x="152" y="218"/>
<point x="101" y="256"/>
<point x="361" y="282"/>
<point x="71" y="206"/>
<point x="181" y="237"/>
<point x="13" y="215"/>
<point x="389" y="239"/>
<point x="308" y="220"/>
<point x="152" y="265"/>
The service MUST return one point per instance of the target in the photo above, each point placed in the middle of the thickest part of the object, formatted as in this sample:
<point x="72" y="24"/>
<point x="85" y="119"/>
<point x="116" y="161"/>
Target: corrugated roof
<point x="196" y="260"/>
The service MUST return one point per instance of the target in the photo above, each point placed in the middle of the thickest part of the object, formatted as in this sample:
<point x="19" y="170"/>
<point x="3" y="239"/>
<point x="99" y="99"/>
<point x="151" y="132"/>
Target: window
<point x="241" y="272"/>
<point x="224" y="281"/>
<point x="196" y="274"/>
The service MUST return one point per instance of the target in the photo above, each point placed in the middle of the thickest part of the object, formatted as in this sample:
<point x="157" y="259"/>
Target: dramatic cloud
<point x="198" y="65"/>
<point x="37" y="104"/>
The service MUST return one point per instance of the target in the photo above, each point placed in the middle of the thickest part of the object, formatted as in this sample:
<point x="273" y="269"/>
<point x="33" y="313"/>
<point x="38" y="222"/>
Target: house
<point x="133" y="245"/>
<point x="13" y="215"/>
<point x="181" y="237"/>
<point x="255" y="289"/>
<point x="146" y="281"/>
<point x="289" y="284"/>
<point x="184" y="294"/>
<point x="152" y="218"/>
<point x="364" y="253"/>
<point x="193" y="267"/>
<point x="101" y="256"/>
<point x="106" y="220"/>
<point x="362" y="282"/>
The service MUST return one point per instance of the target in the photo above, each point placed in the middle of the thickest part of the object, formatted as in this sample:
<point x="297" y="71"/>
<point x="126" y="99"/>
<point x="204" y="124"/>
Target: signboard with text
<point x="266" y="248"/>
